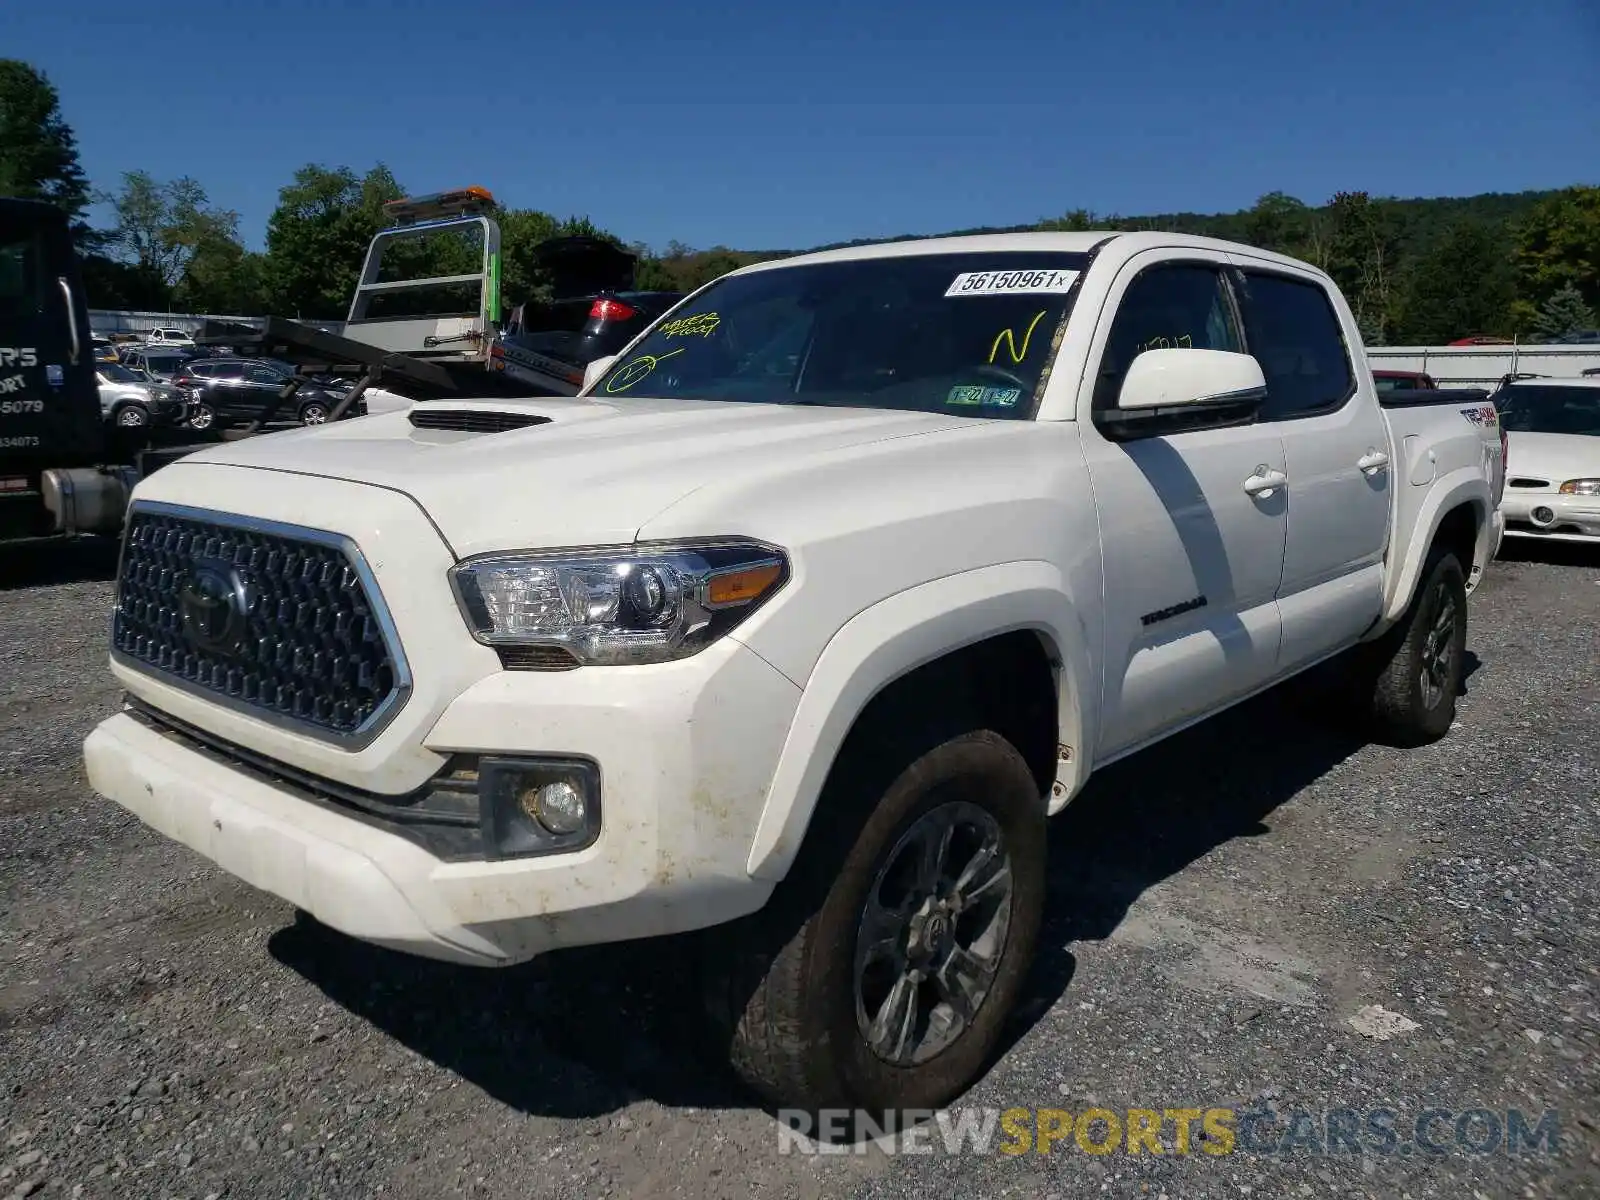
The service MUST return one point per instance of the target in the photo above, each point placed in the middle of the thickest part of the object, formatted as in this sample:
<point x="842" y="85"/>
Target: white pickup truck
<point x="795" y="625"/>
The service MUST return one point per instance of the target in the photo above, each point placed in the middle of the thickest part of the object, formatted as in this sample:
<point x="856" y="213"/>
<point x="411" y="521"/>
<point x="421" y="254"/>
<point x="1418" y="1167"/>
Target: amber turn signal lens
<point x="742" y="586"/>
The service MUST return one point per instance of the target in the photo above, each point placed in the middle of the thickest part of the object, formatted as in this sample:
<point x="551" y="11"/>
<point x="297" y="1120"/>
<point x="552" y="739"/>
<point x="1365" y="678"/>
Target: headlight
<point x="1581" y="487"/>
<point x="636" y="604"/>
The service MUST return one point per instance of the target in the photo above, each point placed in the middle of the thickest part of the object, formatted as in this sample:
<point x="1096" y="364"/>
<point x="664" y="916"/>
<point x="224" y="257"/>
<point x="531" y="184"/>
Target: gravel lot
<point x="1223" y="906"/>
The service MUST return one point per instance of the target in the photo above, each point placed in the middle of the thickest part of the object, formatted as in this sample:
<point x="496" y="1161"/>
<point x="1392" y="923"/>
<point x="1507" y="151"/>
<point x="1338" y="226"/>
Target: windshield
<point x="963" y="334"/>
<point x="1573" y="410"/>
<point x="117" y="373"/>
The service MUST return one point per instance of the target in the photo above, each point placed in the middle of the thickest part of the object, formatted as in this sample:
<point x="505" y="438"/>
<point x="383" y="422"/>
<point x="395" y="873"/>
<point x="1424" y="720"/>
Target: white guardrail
<point x="1484" y="366"/>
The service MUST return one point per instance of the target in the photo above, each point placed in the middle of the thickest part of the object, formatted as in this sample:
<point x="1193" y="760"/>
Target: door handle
<point x="1372" y="462"/>
<point x="1265" y="481"/>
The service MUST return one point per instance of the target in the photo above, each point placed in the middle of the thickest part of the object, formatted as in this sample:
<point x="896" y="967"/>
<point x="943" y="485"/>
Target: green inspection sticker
<point x="984" y="397"/>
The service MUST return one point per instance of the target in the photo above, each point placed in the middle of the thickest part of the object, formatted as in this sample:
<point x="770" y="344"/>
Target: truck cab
<point x="53" y="444"/>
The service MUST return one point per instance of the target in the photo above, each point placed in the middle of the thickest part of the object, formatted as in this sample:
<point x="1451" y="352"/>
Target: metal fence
<point x="1484" y="366"/>
<point x="108" y="321"/>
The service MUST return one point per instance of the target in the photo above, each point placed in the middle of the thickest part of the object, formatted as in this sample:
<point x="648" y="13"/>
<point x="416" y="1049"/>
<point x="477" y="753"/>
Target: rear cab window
<point x="966" y="334"/>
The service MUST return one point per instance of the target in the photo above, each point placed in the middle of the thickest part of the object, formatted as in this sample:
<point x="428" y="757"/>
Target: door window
<point x="21" y="275"/>
<point x="1173" y="306"/>
<point x="1295" y="336"/>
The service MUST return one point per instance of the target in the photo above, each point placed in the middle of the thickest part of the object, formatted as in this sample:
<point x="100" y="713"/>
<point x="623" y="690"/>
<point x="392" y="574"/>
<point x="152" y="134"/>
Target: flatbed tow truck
<point x="424" y="337"/>
<point x="420" y="336"/>
<point x="413" y="335"/>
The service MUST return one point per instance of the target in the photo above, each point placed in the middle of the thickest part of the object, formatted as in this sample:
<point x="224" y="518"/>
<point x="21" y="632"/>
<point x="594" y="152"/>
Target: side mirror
<point x="1167" y="378"/>
<point x="592" y="373"/>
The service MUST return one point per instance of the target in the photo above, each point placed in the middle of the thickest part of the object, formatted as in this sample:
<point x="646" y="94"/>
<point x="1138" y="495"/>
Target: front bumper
<point x="1568" y="519"/>
<point x="686" y="751"/>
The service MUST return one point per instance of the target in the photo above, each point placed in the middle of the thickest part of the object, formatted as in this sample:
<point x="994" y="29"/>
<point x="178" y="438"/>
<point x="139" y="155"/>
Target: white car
<point x="169" y="337"/>
<point x="1553" y="458"/>
<point x="797" y="623"/>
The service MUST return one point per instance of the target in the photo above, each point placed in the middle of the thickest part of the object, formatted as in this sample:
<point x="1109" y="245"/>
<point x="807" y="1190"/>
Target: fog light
<point x="538" y="805"/>
<point x="558" y="806"/>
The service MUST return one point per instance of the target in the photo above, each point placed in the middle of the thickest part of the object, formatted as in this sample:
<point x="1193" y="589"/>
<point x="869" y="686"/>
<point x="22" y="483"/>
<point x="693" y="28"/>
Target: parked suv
<point x="230" y="391"/>
<point x="170" y="337"/>
<point x="130" y="400"/>
<point x="158" y="362"/>
<point x="596" y="312"/>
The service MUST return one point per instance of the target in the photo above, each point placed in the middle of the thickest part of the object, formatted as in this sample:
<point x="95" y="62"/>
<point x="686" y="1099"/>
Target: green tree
<point x="317" y="237"/>
<point x="1558" y="245"/>
<point x="1463" y="286"/>
<point x="1564" y="312"/>
<point x="1077" y="220"/>
<point x="160" y="226"/>
<point x="1360" y="252"/>
<point x="223" y="277"/>
<point x="38" y="152"/>
<point x="521" y="231"/>
<point x="1280" y="223"/>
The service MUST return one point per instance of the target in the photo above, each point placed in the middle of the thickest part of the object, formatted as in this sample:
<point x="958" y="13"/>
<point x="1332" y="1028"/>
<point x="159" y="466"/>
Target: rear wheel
<point x="1410" y="677"/>
<point x="881" y="972"/>
<point x="202" y="417"/>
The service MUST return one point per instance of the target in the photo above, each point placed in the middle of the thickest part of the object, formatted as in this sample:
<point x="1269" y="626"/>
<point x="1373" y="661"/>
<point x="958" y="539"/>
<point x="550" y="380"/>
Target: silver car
<point x="131" y="399"/>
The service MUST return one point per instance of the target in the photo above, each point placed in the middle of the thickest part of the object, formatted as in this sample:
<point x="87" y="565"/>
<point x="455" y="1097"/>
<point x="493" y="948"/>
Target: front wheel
<point x="314" y="413"/>
<point x="131" y="416"/>
<point x="881" y="973"/>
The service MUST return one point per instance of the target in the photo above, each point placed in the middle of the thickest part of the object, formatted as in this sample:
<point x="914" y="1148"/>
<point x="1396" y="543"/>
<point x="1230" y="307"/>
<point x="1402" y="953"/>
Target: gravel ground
<point x="1223" y="907"/>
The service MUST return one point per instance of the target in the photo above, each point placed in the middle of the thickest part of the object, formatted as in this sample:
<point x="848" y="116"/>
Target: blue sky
<point x="764" y="125"/>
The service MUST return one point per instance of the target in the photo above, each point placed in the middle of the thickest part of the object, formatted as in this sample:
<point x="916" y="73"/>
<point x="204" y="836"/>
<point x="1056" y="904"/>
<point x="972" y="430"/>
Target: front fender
<point x="896" y="636"/>
<point x="1465" y="485"/>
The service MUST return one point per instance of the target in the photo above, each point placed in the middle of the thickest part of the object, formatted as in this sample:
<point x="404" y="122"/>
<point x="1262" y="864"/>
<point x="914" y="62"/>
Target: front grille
<point x="278" y="621"/>
<point x="473" y="420"/>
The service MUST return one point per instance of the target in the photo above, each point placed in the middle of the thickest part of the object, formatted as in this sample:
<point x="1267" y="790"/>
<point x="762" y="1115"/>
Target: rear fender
<point x="1466" y="485"/>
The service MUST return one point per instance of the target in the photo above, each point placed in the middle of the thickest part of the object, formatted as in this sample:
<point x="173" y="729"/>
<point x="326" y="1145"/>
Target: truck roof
<point x="1042" y="242"/>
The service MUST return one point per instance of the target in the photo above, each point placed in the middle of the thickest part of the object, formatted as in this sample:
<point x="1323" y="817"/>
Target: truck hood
<point x="590" y="473"/>
<point x="1554" y="456"/>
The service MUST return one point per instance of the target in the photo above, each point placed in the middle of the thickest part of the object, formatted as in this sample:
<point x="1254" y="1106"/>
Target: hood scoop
<point x="468" y="420"/>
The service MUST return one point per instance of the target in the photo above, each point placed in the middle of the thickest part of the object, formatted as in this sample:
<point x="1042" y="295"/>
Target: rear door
<point x="1336" y="447"/>
<point x="49" y="400"/>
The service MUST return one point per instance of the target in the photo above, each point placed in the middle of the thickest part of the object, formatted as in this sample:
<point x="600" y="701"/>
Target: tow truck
<point x="429" y="336"/>
<point x="409" y="337"/>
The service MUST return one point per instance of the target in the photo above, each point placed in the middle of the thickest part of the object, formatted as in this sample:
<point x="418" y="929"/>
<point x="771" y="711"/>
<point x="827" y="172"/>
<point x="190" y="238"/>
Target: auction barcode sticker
<point x="1011" y="283"/>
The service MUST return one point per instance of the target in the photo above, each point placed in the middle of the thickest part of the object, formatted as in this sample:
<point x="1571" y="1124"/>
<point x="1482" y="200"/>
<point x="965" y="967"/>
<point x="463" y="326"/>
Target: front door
<point x="1192" y="544"/>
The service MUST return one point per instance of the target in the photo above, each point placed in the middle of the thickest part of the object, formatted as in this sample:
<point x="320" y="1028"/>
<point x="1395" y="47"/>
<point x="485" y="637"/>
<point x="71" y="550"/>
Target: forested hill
<point x="1415" y="270"/>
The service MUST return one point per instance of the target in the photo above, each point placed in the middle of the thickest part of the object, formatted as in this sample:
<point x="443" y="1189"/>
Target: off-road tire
<point x="780" y="985"/>
<point x="1390" y="670"/>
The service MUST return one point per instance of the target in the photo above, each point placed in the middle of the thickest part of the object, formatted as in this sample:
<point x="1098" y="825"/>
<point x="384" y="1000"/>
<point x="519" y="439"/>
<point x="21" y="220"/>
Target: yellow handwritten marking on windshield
<point x="1006" y="336"/>
<point x="699" y="325"/>
<point x="1185" y="342"/>
<point x="636" y="370"/>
